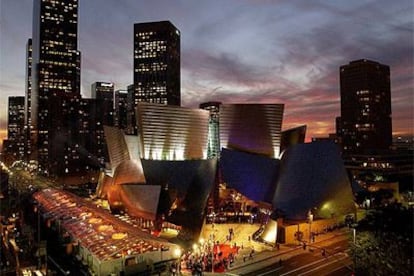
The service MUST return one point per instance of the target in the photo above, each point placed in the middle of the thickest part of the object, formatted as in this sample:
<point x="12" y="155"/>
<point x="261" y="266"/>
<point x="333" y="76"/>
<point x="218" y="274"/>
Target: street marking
<point x="323" y="265"/>
<point x="307" y="265"/>
<point x="271" y="271"/>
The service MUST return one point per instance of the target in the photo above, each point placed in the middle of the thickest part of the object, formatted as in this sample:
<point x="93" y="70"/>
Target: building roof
<point x="102" y="234"/>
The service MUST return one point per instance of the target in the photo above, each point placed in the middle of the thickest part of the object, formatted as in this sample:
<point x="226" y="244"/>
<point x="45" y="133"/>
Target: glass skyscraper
<point x="157" y="63"/>
<point x="56" y="79"/>
<point x="365" y="122"/>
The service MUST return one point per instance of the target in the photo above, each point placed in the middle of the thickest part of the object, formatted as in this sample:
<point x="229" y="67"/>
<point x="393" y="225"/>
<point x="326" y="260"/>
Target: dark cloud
<point x="240" y="50"/>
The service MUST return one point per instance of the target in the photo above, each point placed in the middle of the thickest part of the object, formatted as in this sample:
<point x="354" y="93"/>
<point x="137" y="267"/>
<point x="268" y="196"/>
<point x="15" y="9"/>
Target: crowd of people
<point x="211" y="255"/>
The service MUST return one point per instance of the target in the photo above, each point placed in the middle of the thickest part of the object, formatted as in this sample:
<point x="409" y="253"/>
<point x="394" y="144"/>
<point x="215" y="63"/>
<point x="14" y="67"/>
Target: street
<point x="304" y="262"/>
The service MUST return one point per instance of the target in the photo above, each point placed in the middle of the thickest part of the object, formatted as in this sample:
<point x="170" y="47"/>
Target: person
<point x="280" y="262"/>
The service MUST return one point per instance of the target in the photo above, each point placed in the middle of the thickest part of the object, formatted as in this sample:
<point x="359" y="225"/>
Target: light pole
<point x="310" y="219"/>
<point x="355" y="247"/>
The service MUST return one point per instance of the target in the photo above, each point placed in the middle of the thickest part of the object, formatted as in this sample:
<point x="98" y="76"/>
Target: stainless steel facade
<point x="313" y="177"/>
<point x="117" y="146"/>
<point x="254" y="128"/>
<point x="172" y="133"/>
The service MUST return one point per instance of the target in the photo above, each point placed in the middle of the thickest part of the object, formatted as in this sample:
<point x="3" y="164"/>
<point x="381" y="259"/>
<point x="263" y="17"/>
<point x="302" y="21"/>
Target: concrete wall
<point x="317" y="227"/>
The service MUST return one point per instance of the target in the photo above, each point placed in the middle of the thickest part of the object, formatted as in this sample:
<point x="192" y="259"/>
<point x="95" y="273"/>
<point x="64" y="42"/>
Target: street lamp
<point x="310" y="219"/>
<point x="355" y="247"/>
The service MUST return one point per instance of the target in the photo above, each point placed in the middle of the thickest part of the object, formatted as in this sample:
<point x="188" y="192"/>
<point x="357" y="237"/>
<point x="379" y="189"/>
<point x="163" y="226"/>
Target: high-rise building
<point x="365" y="107"/>
<point x="132" y="102"/>
<point x="157" y="63"/>
<point x="56" y="79"/>
<point x="14" y="146"/>
<point x="28" y="98"/>
<point x="121" y="108"/>
<point x="92" y="145"/>
<point x="103" y="92"/>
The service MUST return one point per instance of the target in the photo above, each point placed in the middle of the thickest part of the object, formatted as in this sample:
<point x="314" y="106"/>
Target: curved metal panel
<point x="140" y="200"/>
<point x="186" y="186"/>
<point x="252" y="175"/>
<point x="313" y="177"/>
<point x="254" y="128"/>
<point x="117" y="147"/>
<point x="129" y="171"/>
<point x="292" y="137"/>
<point x="172" y="133"/>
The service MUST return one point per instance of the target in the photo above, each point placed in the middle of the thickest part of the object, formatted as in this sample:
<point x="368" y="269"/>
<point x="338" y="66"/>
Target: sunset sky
<point x="238" y="51"/>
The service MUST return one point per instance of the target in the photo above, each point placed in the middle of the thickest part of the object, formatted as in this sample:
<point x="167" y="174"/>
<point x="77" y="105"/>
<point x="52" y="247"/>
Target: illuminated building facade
<point x="213" y="148"/>
<point x="253" y="128"/>
<point x="171" y="132"/>
<point x="365" y="106"/>
<point x="132" y="102"/>
<point x="56" y="77"/>
<point x="28" y="97"/>
<point x="173" y="170"/>
<point x="292" y="137"/>
<point x="15" y="144"/>
<point x="121" y="108"/>
<point x="103" y="92"/>
<point x="178" y="188"/>
<point x="157" y="63"/>
<point x="91" y="136"/>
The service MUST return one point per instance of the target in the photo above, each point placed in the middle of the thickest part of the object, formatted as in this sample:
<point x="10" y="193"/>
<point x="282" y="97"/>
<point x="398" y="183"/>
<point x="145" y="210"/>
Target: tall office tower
<point x="157" y="63"/>
<point x="365" y="106"/>
<point x="121" y="108"/>
<point x="28" y="99"/>
<point x="132" y="102"/>
<point x="103" y="92"/>
<point x="92" y="145"/>
<point x="15" y="128"/>
<point x="56" y="79"/>
<point x="213" y="147"/>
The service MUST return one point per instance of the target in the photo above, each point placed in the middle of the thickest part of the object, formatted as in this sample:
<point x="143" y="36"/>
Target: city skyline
<point x="238" y="52"/>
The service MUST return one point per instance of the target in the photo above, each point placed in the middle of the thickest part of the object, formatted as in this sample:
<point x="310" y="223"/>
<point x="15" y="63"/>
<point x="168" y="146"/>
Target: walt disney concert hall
<point x="168" y="174"/>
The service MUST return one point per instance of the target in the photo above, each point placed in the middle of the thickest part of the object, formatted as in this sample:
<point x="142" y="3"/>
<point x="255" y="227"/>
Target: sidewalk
<point x="271" y="255"/>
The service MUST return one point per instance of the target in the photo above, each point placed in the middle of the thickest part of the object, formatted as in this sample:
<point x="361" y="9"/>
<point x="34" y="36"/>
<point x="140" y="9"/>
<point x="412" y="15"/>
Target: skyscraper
<point x="103" y="92"/>
<point x="365" y="122"/>
<point x="56" y="78"/>
<point x="157" y="63"/>
<point x="14" y="145"/>
<point x="28" y="98"/>
<point x="121" y="108"/>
